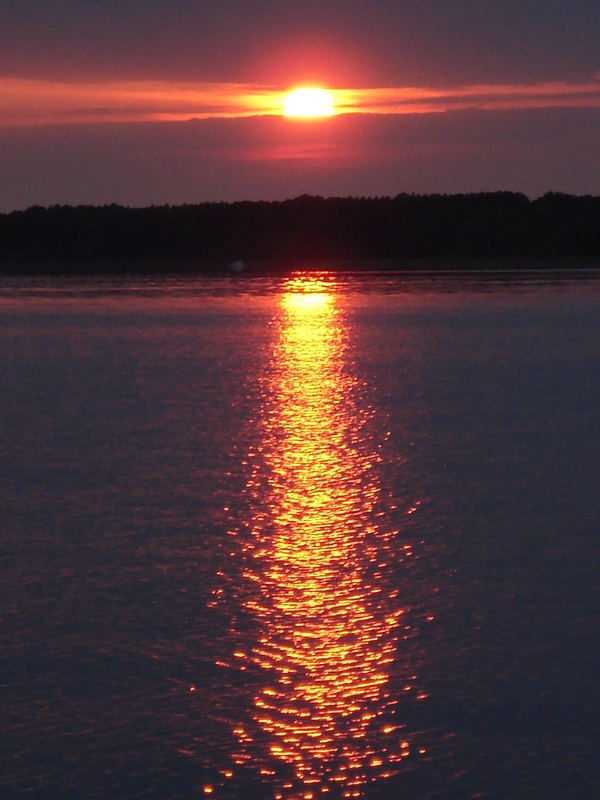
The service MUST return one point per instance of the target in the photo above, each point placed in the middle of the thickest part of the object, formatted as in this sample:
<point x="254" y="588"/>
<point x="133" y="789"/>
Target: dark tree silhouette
<point x="304" y="231"/>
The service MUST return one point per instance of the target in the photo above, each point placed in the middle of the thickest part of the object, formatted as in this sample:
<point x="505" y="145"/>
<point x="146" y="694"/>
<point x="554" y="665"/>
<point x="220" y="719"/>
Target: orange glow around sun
<point x="308" y="102"/>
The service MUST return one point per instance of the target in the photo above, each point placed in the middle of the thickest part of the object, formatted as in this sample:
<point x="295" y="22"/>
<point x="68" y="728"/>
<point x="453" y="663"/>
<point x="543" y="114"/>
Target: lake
<point x="315" y="536"/>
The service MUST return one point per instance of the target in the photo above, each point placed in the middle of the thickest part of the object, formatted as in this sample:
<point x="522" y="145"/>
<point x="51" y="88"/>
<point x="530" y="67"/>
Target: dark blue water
<point x="303" y="537"/>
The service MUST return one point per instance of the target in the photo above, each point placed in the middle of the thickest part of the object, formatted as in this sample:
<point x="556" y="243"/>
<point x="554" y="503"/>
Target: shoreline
<point x="177" y="268"/>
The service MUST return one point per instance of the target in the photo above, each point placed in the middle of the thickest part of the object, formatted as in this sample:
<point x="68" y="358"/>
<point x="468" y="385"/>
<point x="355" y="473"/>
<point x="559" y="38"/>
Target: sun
<point x="308" y="102"/>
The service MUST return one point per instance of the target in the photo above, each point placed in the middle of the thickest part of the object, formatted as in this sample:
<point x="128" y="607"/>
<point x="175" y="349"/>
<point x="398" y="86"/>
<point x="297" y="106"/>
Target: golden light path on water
<point x="328" y="627"/>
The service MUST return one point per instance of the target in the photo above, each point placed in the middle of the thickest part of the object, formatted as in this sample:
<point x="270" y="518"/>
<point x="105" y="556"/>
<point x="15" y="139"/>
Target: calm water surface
<point x="307" y="537"/>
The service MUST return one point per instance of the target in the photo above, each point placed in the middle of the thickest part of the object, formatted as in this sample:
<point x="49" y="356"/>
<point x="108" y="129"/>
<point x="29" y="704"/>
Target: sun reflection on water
<point x="328" y="632"/>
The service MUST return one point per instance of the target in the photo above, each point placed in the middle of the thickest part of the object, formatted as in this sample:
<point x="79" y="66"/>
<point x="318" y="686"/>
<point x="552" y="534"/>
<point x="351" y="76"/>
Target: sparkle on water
<point x="329" y="632"/>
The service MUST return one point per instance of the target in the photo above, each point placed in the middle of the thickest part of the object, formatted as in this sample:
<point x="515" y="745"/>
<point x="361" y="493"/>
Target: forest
<point x="305" y="231"/>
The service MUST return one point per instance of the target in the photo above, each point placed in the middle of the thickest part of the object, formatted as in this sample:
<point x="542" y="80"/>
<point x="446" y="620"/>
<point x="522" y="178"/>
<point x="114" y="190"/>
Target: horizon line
<point x="307" y="196"/>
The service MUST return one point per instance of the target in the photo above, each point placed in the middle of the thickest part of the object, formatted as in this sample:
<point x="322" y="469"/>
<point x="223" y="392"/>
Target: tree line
<point x="304" y="230"/>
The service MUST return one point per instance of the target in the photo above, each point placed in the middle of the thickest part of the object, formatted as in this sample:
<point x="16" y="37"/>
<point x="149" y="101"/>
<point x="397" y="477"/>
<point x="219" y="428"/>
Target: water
<point x="301" y="537"/>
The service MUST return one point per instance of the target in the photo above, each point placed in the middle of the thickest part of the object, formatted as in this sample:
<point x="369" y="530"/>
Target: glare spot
<point x="307" y="102"/>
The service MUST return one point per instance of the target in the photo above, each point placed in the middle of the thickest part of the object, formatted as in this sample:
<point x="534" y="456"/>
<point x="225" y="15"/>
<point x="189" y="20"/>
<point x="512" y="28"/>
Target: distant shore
<point x="471" y="232"/>
<point x="413" y="266"/>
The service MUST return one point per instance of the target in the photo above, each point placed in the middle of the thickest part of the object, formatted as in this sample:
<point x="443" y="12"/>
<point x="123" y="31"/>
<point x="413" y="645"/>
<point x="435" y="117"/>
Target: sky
<point x="140" y="102"/>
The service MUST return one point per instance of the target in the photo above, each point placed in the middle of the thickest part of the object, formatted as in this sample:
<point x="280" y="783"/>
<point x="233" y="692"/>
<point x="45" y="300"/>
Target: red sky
<point x="137" y="104"/>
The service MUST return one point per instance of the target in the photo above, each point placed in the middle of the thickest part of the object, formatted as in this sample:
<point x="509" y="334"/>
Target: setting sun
<point x="308" y="102"/>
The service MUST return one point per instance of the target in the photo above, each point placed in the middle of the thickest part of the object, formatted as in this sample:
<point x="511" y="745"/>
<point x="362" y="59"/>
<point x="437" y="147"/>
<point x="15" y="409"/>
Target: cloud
<point x="486" y="97"/>
<point x="25" y="102"/>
